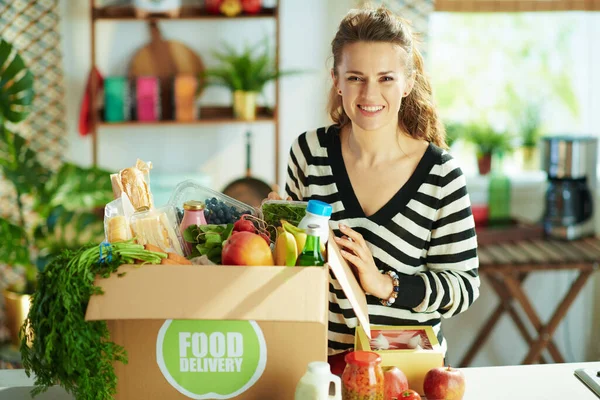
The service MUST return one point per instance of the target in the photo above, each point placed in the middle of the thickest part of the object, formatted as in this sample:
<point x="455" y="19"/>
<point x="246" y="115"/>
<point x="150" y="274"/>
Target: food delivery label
<point x="211" y="359"/>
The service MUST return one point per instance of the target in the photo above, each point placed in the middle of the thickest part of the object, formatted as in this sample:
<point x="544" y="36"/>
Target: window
<point x="492" y="67"/>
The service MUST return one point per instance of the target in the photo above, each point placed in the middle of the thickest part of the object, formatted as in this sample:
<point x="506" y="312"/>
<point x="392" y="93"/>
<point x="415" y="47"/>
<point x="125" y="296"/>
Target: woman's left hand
<point x="357" y="253"/>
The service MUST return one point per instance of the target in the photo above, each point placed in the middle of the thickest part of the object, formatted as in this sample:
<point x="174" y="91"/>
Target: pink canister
<point x="147" y="98"/>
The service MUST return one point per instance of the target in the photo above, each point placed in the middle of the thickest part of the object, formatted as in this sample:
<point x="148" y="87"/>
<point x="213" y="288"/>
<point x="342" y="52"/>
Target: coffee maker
<point x="570" y="163"/>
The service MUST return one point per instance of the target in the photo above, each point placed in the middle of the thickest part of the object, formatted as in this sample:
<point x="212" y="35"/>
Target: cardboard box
<point x="220" y="332"/>
<point x="415" y="363"/>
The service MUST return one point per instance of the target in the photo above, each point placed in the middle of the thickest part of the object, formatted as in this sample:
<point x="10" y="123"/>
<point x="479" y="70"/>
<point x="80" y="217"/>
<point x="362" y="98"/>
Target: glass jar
<point x="193" y="214"/>
<point x="363" y="376"/>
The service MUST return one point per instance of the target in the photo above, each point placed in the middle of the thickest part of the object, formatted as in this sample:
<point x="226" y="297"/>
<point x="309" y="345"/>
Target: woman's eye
<point x="387" y="78"/>
<point x="353" y="78"/>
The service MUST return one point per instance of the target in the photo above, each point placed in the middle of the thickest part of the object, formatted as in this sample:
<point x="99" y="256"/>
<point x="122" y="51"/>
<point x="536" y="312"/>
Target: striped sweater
<point x="425" y="233"/>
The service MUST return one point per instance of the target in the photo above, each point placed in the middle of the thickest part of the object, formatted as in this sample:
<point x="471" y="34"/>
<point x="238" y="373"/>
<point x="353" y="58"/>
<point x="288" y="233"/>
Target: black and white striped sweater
<point x="425" y="233"/>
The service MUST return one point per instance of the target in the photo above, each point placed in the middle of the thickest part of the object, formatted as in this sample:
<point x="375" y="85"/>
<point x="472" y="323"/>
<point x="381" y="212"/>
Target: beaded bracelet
<point x="394" y="295"/>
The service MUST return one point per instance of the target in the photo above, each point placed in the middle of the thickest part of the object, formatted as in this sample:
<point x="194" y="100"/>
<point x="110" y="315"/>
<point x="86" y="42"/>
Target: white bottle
<point x="318" y="383"/>
<point x="318" y="213"/>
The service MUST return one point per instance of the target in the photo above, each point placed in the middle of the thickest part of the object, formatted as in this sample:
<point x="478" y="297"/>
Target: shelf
<point x="187" y="13"/>
<point x="208" y="116"/>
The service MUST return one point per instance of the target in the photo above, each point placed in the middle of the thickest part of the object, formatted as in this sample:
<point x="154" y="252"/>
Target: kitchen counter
<point x="523" y="382"/>
<point x="528" y="382"/>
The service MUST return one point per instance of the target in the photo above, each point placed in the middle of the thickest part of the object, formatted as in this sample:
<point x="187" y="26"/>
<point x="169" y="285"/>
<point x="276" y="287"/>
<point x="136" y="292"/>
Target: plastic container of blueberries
<point x="192" y="190"/>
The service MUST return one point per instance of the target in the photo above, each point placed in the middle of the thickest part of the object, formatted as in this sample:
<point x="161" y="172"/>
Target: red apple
<point x="213" y="6"/>
<point x="395" y="383"/>
<point x="251" y="6"/>
<point x="246" y="248"/>
<point x="445" y="383"/>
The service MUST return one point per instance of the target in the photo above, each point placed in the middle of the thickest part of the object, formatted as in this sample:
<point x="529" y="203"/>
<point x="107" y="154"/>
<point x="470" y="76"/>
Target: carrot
<point x="179" y="259"/>
<point x="151" y="247"/>
<point x="166" y="261"/>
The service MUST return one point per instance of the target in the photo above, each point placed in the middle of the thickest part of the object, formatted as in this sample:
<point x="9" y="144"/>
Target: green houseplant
<point x="488" y="142"/>
<point x="55" y="210"/>
<point x="245" y="73"/>
<point x="531" y="130"/>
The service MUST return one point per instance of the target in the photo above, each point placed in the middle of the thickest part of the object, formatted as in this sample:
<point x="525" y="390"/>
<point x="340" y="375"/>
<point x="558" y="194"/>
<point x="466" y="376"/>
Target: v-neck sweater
<point x="425" y="233"/>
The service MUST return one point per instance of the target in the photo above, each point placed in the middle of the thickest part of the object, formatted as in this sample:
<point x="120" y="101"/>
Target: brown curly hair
<point x="418" y="115"/>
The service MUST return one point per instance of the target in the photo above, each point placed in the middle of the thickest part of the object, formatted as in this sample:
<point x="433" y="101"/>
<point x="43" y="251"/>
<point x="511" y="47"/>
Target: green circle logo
<point x="211" y="359"/>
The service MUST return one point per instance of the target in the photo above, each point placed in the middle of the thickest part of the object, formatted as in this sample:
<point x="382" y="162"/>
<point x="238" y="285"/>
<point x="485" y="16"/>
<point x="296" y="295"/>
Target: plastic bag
<point x="117" y="214"/>
<point x="135" y="182"/>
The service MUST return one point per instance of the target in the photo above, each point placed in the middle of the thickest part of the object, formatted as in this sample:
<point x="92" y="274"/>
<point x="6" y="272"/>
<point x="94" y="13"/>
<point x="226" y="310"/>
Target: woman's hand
<point x="275" y="196"/>
<point x="356" y="252"/>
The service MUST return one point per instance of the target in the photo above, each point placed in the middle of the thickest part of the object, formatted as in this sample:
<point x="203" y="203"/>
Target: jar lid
<point x="363" y="358"/>
<point x="193" y="205"/>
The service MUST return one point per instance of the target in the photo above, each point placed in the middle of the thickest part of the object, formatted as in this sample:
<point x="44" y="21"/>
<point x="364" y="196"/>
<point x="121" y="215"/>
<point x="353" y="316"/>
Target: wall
<point x="215" y="151"/>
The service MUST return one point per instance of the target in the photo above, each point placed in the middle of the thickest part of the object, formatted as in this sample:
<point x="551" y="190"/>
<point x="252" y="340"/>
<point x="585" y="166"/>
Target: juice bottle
<point x="311" y="254"/>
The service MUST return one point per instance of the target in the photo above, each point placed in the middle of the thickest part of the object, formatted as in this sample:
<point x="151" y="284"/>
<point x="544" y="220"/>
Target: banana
<point x="298" y="233"/>
<point x="286" y="252"/>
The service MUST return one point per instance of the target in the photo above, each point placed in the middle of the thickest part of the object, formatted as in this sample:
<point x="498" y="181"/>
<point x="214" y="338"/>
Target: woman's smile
<point x="370" y="110"/>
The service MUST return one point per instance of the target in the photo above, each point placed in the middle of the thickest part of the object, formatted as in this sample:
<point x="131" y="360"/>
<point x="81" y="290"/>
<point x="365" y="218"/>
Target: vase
<point x="484" y="162"/>
<point x="530" y="158"/>
<point x="17" y="307"/>
<point x="244" y="105"/>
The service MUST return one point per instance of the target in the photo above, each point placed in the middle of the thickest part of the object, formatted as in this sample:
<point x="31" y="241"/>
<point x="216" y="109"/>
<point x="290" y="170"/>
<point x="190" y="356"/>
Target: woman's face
<point x="372" y="79"/>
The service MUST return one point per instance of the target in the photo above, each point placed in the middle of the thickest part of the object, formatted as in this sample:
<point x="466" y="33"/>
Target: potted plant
<point x="54" y="210"/>
<point x="531" y="131"/>
<point x="245" y="73"/>
<point x="488" y="142"/>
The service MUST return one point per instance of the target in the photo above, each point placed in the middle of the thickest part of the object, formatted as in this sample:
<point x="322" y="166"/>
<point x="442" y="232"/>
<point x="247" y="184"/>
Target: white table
<point x="528" y="382"/>
<point x="523" y="382"/>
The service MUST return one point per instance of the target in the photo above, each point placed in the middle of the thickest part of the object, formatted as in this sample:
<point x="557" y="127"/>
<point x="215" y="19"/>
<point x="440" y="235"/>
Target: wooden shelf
<point x="208" y="116"/>
<point x="187" y="13"/>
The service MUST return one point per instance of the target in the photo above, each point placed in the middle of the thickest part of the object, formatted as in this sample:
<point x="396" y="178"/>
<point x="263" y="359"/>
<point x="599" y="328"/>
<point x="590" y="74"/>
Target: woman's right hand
<point x="275" y="196"/>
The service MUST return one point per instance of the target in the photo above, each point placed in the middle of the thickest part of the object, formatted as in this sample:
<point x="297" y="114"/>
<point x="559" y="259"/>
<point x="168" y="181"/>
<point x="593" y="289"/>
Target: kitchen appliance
<point x="570" y="163"/>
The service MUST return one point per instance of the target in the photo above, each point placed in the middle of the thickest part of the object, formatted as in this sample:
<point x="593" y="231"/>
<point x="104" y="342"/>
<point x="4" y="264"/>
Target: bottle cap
<point x="312" y="230"/>
<point x="193" y="205"/>
<point x="318" y="207"/>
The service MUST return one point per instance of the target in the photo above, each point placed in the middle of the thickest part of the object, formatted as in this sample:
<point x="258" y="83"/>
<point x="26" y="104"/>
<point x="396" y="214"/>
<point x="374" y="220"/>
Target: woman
<point x="400" y="205"/>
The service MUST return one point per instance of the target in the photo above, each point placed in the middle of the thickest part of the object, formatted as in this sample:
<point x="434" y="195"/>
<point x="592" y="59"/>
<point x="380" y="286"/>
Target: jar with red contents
<point x="363" y="376"/>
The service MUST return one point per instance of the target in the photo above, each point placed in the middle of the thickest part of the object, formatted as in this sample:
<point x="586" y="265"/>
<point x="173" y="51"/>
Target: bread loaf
<point x="134" y="182"/>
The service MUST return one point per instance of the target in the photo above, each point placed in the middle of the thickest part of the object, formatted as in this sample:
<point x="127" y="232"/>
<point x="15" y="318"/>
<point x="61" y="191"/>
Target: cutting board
<point x="165" y="59"/>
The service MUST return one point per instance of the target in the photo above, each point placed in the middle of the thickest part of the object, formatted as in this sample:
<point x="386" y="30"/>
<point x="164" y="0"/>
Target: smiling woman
<point x="400" y="206"/>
